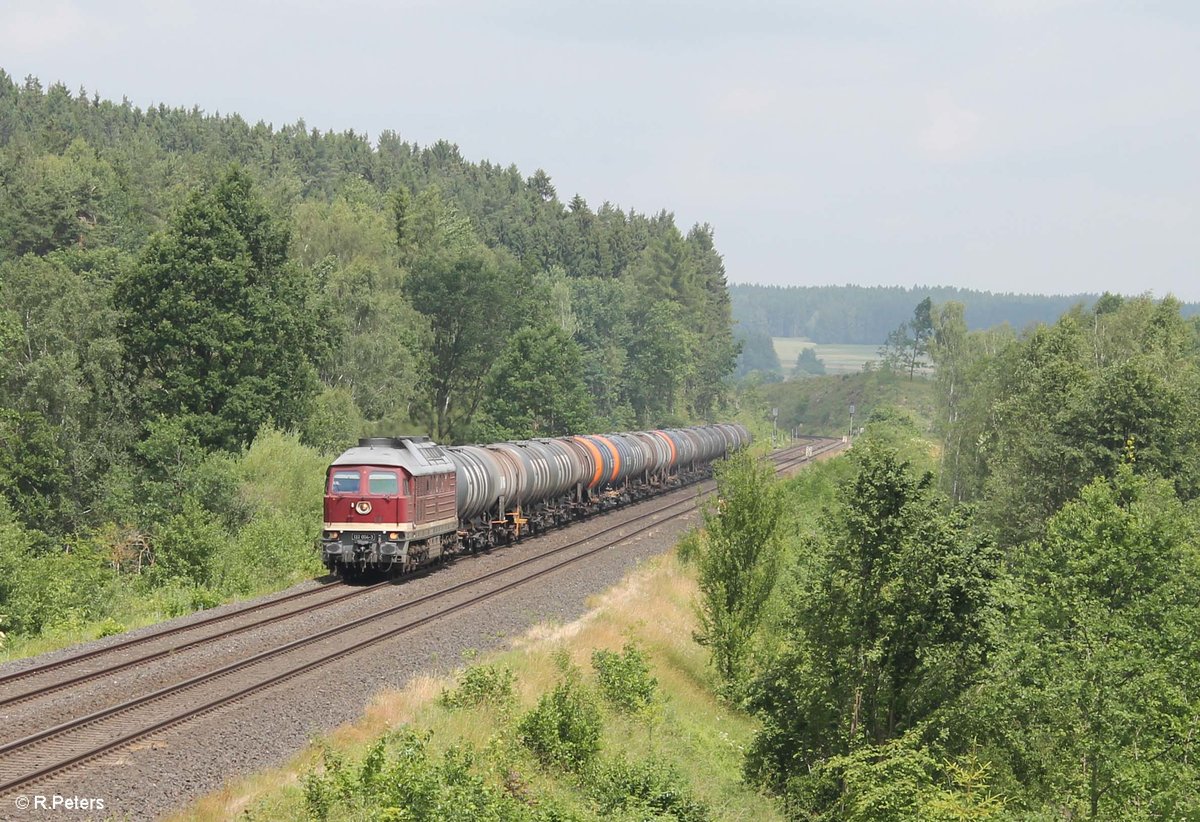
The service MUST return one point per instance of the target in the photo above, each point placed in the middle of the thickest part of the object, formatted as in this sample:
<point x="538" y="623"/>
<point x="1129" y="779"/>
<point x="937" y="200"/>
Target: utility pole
<point x="774" y="426"/>
<point x="851" y="432"/>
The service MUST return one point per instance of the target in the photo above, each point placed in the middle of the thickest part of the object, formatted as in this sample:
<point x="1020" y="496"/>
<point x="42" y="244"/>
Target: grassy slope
<point x="701" y="736"/>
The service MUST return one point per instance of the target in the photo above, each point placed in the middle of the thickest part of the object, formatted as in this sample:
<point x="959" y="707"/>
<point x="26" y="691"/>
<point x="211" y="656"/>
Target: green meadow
<point x="838" y="358"/>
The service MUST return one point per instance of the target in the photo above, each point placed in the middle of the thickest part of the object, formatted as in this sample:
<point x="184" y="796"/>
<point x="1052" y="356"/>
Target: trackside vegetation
<point x="610" y="717"/>
<point x="740" y="561"/>
<point x="186" y="297"/>
<point x="231" y="527"/>
<point x="1002" y="622"/>
<point x="896" y="636"/>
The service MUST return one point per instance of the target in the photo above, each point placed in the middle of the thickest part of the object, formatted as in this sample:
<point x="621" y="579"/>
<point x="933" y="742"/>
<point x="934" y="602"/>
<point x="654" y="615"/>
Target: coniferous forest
<point x="181" y="291"/>
<point x="867" y="314"/>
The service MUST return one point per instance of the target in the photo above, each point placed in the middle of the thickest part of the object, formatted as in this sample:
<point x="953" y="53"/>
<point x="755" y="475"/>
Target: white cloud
<point x="745" y="102"/>
<point x="950" y="129"/>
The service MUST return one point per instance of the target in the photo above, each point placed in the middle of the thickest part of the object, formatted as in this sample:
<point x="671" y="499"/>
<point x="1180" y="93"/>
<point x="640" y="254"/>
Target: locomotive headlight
<point x="393" y="535"/>
<point x="332" y="534"/>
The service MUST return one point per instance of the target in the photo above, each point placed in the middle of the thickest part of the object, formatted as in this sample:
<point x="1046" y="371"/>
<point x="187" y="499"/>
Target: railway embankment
<point x="693" y="739"/>
<point x="666" y="744"/>
<point x="150" y="736"/>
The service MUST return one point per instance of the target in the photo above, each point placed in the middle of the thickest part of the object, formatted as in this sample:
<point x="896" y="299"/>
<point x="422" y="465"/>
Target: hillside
<point x="194" y="306"/>
<point x="866" y="314"/>
<point x="820" y="405"/>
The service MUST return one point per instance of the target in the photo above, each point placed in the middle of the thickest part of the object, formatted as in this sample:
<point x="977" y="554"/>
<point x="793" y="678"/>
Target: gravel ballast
<point x="160" y="773"/>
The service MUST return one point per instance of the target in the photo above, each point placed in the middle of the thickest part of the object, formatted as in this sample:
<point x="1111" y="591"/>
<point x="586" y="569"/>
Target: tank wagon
<point x="396" y="503"/>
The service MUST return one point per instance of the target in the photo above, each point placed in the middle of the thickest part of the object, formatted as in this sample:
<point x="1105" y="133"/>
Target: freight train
<point x="393" y="504"/>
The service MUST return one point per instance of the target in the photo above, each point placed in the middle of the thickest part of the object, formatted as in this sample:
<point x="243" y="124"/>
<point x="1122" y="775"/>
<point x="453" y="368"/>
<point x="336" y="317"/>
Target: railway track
<point x="30" y="683"/>
<point x="21" y="686"/>
<point x="51" y="751"/>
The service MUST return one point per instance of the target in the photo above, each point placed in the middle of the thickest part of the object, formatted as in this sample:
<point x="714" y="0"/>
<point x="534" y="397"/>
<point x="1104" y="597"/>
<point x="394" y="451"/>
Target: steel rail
<point x="160" y="634"/>
<point x="242" y="693"/>
<point x="58" y="685"/>
<point x="164" y="633"/>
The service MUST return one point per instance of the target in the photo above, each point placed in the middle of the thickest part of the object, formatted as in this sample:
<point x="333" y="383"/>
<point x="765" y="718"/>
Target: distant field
<point x="839" y="359"/>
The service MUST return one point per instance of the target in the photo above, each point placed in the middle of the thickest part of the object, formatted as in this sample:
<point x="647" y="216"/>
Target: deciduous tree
<point x="888" y="622"/>
<point x="1091" y="703"/>
<point x="473" y="300"/>
<point x="740" y="560"/>
<point x="216" y="323"/>
<point x="536" y="389"/>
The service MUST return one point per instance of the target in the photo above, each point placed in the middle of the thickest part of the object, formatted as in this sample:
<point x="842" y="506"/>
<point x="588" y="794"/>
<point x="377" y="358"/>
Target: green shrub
<point x="272" y="547"/>
<point x="334" y="783"/>
<point x="334" y="422"/>
<point x="482" y="684"/>
<point x="625" y="679"/>
<point x="399" y="779"/>
<point x="61" y="590"/>
<point x="690" y="547"/>
<point x="645" y="790"/>
<point x="204" y="598"/>
<point x="892" y="782"/>
<point x="171" y="599"/>
<point x="564" y="728"/>
<point x="281" y="475"/>
<point x="109" y="627"/>
<point x="216" y="483"/>
<point x="185" y="548"/>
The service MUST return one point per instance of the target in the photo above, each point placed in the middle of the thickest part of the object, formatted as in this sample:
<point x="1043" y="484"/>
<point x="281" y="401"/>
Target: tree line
<point x="998" y="621"/>
<point x="868" y="314"/>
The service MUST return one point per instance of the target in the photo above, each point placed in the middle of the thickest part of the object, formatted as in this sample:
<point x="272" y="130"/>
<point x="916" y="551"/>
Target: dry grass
<point x="389" y="710"/>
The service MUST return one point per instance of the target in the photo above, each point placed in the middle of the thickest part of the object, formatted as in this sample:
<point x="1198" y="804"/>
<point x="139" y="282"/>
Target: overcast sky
<point x="1031" y="145"/>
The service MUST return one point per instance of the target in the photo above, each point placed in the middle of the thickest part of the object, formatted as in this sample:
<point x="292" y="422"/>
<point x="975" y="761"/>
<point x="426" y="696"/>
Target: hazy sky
<point x="1047" y="146"/>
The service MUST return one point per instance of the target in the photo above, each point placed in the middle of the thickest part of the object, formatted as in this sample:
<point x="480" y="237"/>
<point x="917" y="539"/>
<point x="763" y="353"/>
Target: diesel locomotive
<point x="393" y="504"/>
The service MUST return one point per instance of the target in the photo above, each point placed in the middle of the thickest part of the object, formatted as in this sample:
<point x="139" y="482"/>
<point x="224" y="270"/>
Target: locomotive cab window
<point x="384" y="483"/>
<point x="345" y="482"/>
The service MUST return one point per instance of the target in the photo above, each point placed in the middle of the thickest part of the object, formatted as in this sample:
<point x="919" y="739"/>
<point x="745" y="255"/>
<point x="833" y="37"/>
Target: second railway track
<point x="50" y="751"/>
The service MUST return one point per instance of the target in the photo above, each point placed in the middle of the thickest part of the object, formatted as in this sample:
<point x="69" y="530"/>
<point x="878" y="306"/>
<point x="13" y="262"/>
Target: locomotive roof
<point x="417" y="457"/>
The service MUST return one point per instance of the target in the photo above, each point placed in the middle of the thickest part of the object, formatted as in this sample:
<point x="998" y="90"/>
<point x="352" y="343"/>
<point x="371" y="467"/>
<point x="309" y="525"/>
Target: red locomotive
<point x="395" y="503"/>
